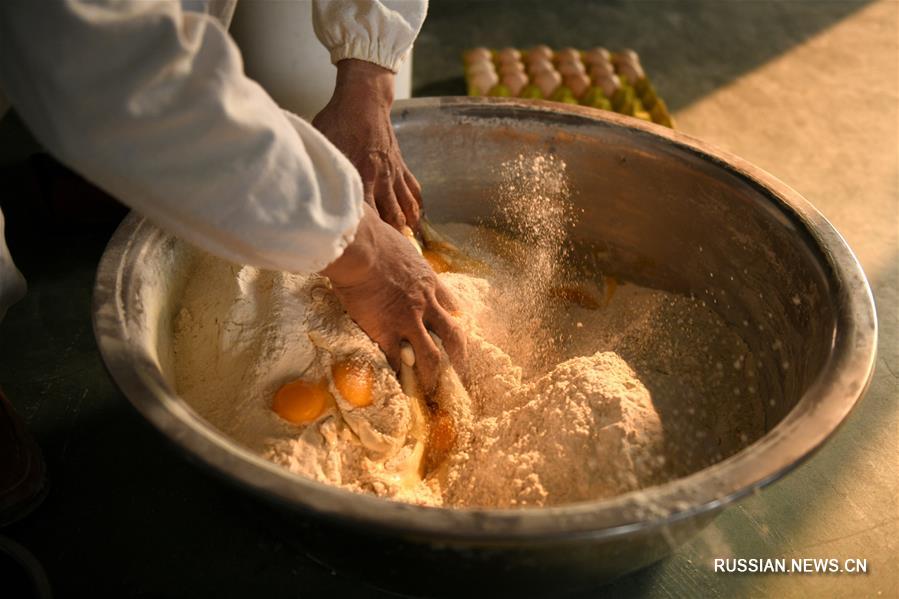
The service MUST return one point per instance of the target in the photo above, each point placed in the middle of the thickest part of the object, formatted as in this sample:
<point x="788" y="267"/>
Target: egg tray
<point x="596" y="77"/>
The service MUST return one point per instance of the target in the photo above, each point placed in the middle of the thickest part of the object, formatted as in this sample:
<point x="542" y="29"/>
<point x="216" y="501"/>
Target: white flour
<point x="634" y="397"/>
<point x="579" y="389"/>
<point x="242" y="333"/>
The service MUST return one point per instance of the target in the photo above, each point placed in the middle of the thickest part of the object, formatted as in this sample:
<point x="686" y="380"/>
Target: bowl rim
<point x="816" y="416"/>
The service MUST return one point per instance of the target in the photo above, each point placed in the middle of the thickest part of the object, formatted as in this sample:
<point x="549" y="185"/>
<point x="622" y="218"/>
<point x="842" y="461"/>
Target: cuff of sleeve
<point x="370" y="52"/>
<point x="340" y="244"/>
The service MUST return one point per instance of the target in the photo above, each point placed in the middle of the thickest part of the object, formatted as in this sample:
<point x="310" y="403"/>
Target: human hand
<point x="394" y="296"/>
<point x="357" y="121"/>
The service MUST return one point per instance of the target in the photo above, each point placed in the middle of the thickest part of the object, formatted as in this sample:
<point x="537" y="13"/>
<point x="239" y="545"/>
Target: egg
<point x="301" y="402"/>
<point x="436" y="261"/>
<point x="510" y="67"/>
<point x="481" y="66"/>
<point x="515" y="82"/>
<point x="540" y="66"/>
<point x="476" y="54"/>
<point x="627" y="64"/>
<point x="409" y="234"/>
<point x="631" y="73"/>
<point x="599" y="70"/>
<point x="354" y="380"/>
<point x="567" y="54"/>
<point x="577" y="83"/>
<point x="597" y="54"/>
<point x="570" y="67"/>
<point x="540" y="51"/>
<point x="507" y="55"/>
<point x="481" y="83"/>
<point x="609" y="84"/>
<point x="626" y="57"/>
<point x="548" y="81"/>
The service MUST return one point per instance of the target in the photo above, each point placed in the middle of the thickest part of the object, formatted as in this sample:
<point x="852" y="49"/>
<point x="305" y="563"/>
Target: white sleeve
<point x="378" y="31"/>
<point x="152" y="105"/>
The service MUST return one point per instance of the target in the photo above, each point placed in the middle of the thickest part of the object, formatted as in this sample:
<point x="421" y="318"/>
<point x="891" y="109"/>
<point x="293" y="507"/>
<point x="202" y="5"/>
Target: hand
<point x="357" y="121"/>
<point x="392" y="293"/>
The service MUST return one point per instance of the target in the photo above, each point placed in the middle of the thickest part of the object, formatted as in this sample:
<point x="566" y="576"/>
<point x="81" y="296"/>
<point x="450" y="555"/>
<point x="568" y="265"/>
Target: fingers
<point x="407" y="202"/>
<point x="391" y="188"/>
<point x="413" y="185"/>
<point x="388" y="206"/>
<point x="445" y="298"/>
<point x="427" y="356"/>
<point x="391" y="348"/>
<point x="450" y="333"/>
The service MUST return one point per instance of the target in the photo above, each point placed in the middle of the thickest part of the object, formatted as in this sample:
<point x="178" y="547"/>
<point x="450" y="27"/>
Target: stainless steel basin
<point x="666" y="210"/>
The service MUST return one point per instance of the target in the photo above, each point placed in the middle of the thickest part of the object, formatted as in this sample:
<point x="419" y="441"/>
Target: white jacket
<point x="148" y="100"/>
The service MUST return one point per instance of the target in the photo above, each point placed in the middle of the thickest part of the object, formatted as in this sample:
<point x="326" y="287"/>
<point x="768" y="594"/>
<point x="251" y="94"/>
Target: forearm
<point x="362" y="99"/>
<point x="154" y="108"/>
<point x="365" y="80"/>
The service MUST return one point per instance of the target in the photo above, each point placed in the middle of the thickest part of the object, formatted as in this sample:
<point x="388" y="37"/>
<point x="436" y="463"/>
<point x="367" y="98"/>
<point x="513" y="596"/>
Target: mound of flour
<point x="625" y="394"/>
<point x="241" y="333"/>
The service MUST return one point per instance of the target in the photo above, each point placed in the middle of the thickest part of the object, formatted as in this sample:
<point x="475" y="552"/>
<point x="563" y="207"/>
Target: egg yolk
<point x="354" y="380"/>
<point x="300" y="402"/>
<point x="438" y="263"/>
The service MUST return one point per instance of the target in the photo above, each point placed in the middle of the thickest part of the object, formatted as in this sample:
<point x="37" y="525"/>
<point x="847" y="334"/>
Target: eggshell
<point x="540" y="51"/>
<point x="482" y="82"/>
<point x="608" y="84"/>
<point x="597" y="54"/>
<point x="577" y="83"/>
<point x="476" y="55"/>
<point x="540" y="66"/>
<point x="508" y="55"/>
<point x="515" y="82"/>
<point x="548" y="81"/>
<point x="566" y="54"/>
<point x="626" y="57"/>
<point x="571" y="67"/>
<point x="481" y="66"/>
<point x="631" y="72"/>
<point x="510" y="67"/>
<point x="601" y="69"/>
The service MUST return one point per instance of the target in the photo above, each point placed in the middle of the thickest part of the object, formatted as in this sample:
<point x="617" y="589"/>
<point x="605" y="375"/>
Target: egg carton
<point x="596" y="77"/>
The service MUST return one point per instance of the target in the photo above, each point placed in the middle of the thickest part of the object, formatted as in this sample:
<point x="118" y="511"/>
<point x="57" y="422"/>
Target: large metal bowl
<point x="667" y="210"/>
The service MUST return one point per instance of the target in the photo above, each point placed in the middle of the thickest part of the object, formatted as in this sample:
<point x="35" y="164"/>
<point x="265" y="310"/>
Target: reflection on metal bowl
<point x="666" y="210"/>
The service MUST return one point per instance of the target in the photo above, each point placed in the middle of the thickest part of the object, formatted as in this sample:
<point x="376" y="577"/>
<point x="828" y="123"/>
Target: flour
<point x="634" y="400"/>
<point x="242" y="333"/>
<point x="579" y="389"/>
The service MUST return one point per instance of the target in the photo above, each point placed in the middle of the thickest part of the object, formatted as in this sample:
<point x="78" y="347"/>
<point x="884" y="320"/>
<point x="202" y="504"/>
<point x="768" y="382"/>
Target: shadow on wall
<point x="689" y="48"/>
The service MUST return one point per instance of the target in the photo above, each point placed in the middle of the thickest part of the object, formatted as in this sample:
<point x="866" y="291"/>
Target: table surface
<point x="806" y="90"/>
